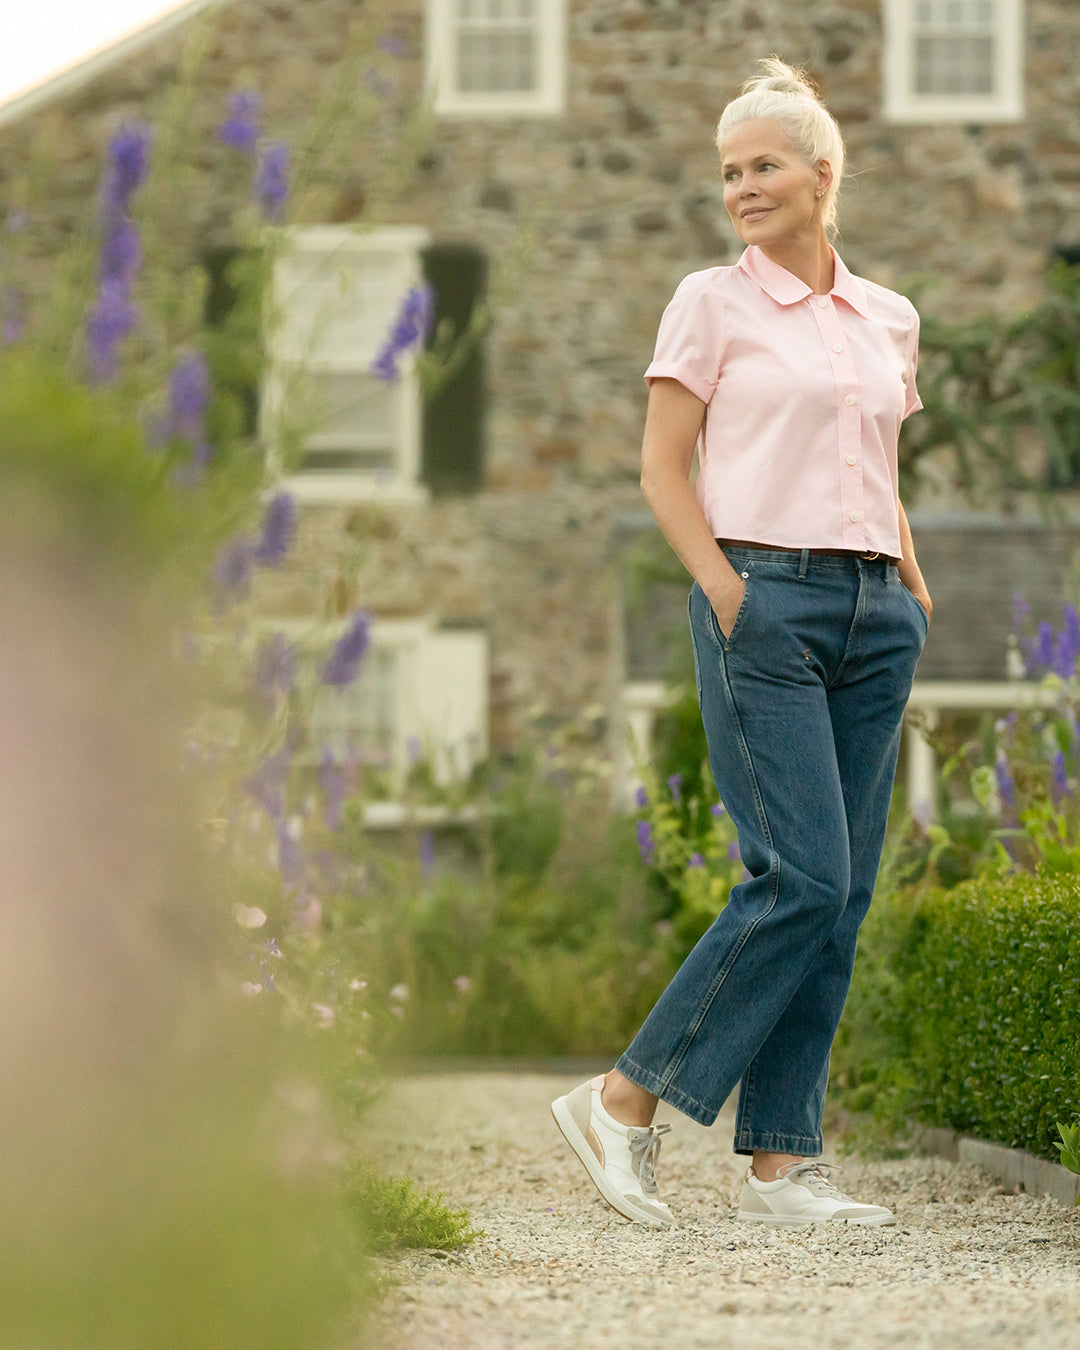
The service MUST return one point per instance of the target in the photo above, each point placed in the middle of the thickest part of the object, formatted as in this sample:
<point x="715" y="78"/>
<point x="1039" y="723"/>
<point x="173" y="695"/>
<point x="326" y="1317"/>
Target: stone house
<point x="568" y="174"/>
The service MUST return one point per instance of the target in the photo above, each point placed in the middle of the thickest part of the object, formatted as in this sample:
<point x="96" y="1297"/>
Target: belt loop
<point x="804" y="560"/>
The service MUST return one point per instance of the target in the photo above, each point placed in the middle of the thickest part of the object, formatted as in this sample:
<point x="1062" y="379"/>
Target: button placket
<point x="849" y="424"/>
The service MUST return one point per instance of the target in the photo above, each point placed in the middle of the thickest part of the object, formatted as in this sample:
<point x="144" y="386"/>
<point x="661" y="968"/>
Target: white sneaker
<point x="803" y="1194"/>
<point x="619" y="1158"/>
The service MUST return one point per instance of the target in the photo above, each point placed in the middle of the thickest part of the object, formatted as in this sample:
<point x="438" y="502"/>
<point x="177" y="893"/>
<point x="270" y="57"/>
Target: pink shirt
<point x="805" y="395"/>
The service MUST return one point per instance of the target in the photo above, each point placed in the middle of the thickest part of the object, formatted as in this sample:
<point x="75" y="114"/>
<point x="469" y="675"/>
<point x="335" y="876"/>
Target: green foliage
<point x="987" y="384"/>
<point x="965" y="1009"/>
<point x="562" y="953"/>
<point x="1069" y="1145"/>
<point x="393" y="1216"/>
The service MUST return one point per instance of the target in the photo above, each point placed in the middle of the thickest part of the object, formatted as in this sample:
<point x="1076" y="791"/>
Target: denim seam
<point x="675" y="1063"/>
<point x="852" y="642"/>
<point x="744" y="1111"/>
<point x="662" y="1088"/>
<point x="805" y="1144"/>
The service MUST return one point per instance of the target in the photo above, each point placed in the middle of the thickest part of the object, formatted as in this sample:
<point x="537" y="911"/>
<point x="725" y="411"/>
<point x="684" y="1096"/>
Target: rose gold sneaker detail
<point x="619" y="1161"/>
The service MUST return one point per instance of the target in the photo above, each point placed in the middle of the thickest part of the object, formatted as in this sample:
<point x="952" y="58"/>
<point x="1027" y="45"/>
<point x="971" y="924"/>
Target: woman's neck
<point x="809" y="260"/>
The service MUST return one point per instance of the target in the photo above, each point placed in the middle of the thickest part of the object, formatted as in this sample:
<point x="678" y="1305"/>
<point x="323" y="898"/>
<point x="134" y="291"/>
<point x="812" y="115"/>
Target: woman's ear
<point x="824" y="172"/>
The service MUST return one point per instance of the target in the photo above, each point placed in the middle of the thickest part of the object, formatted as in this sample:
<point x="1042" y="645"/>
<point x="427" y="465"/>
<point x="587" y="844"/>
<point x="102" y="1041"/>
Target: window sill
<point x="335" y="488"/>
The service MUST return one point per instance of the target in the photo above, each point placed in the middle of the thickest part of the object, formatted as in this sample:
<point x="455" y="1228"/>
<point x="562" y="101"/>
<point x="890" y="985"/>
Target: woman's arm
<point x="667" y="452"/>
<point x="909" y="571"/>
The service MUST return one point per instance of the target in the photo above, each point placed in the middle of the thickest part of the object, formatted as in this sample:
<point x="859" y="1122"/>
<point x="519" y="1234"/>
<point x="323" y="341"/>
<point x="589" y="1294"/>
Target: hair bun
<point x="785" y="79"/>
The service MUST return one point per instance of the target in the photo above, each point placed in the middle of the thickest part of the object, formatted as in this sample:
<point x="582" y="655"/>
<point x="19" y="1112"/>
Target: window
<point x="335" y="295"/>
<point x="420" y="687"/>
<point x="497" y="57"/>
<point x="954" y="60"/>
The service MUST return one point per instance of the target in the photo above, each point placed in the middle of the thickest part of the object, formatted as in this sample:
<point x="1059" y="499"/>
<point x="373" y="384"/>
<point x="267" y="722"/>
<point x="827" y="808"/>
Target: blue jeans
<point x="802" y="704"/>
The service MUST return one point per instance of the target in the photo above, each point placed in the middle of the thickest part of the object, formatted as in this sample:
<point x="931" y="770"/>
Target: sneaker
<point x="619" y="1158"/>
<point x="803" y="1194"/>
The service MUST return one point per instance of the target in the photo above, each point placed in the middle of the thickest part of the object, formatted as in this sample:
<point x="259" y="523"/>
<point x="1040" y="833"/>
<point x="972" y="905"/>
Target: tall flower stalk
<point x="114" y="314"/>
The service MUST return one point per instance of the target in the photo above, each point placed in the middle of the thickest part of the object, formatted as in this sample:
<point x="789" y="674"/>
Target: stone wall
<point x="590" y="220"/>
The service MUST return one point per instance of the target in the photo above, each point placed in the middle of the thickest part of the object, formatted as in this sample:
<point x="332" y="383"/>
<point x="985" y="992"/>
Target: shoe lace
<point x="816" y="1175"/>
<point x="645" y="1153"/>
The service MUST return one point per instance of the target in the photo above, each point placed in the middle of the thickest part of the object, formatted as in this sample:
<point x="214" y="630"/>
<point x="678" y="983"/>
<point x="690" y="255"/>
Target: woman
<point x="808" y="614"/>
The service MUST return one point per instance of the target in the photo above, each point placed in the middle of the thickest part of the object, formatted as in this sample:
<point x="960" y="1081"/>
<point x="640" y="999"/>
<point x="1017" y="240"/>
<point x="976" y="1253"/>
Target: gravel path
<point x="968" y="1267"/>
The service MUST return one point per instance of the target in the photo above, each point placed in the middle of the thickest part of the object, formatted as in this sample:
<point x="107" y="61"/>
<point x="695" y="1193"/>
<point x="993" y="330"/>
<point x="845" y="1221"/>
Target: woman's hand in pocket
<point x="726" y="604"/>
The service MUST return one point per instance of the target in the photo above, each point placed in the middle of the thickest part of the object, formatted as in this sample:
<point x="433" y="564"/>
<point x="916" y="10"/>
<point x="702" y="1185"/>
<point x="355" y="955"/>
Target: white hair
<point x="785" y="95"/>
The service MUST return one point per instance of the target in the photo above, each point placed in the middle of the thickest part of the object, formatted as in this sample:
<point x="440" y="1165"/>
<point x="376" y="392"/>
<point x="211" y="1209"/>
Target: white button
<point x="745" y="575"/>
<point x="823" y="302"/>
<point x="850" y="400"/>
<point x="838" y="346"/>
<point x="852" y="460"/>
<point x="854" y="515"/>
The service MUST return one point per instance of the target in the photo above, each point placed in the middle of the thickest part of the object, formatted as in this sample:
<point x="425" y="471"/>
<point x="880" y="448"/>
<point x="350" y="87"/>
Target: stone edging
<point x="1011" y="1166"/>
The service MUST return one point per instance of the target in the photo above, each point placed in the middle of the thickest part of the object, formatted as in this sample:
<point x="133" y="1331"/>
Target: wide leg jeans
<point x="802" y="705"/>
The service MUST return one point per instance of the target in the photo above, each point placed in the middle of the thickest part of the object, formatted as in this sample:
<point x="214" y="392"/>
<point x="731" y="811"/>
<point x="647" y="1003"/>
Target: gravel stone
<point x="969" y="1266"/>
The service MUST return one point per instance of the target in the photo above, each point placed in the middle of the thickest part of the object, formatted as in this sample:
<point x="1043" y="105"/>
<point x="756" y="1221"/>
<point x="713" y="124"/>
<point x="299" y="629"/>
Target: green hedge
<point x="965" y="1010"/>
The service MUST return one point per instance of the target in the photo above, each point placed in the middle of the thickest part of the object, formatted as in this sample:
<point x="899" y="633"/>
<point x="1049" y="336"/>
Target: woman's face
<point x="770" y="191"/>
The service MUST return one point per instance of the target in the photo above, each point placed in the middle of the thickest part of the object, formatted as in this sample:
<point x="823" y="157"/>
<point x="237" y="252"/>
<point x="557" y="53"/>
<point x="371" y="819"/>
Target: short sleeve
<point x="912" y="401"/>
<point x="689" y="345"/>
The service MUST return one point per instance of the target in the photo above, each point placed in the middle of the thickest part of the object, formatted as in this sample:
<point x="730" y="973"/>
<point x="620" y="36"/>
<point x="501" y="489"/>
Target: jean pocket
<point x="740" y="613"/>
<point x="922" y="612"/>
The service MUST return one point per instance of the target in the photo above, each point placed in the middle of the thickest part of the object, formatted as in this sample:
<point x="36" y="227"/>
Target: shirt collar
<point x="787" y="289"/>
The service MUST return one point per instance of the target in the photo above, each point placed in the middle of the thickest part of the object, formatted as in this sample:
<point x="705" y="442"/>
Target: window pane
<point x="356" y="420"/>
<point x="342" y="304"/>
<point x="357" y="721"/>
<point x="496" y="62"/>
<point x="954" y="65"/>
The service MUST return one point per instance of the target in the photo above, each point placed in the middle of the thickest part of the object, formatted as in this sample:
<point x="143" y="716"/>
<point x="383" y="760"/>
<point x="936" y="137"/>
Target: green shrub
<point x="393" y="1216"/>
<point x="965" y="1010"/>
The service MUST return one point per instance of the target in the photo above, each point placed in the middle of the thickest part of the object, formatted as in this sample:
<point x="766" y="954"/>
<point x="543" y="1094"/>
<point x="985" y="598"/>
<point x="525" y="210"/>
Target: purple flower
<point x="113" y="315"/>
<point x="641" y="798"/>
<point x="111" y="319"/>
<point x="1059" y="782"/>
<point x="1005" y="785"/>
<point x="275" y="666"/>
<point x="675" y="787"/>
<point x="344" y="663"/>
<point x="240" y="130"/>
<point x="410" y="328"/>
<point x="272" y="180"/>
<point x="1067" y="646"/>
<point x="717" y="809"/>
<point x="645" y="842"/>
<point x="267" y="783"/>
<point x="13" y="321"/>
<point x="696" y="860"/>
<point x="1041" y="648"/>
<point x="393" y="46"/>
<point x="332" y="782"/>
<point x="427" y="852"/>
<point x="733" y="852"/>
<point x="278" y="531"/>
<point x="128" y="158"/>
<point x="232" y="571"/>
<point x="189" y="392"/>
<point x="121" y="253"/>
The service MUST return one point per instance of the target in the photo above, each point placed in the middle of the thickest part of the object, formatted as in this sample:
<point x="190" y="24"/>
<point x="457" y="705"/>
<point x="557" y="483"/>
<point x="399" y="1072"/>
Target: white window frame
<point x="546" y="99"/>
<point x="441" y="689"/>
<point x="903" y="104"/>
<point x="294" y="351"/>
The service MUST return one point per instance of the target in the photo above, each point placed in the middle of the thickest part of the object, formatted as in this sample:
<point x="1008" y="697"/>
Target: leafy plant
<point x="392" y="1215"/>
<point x="1069" y="1145"/>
